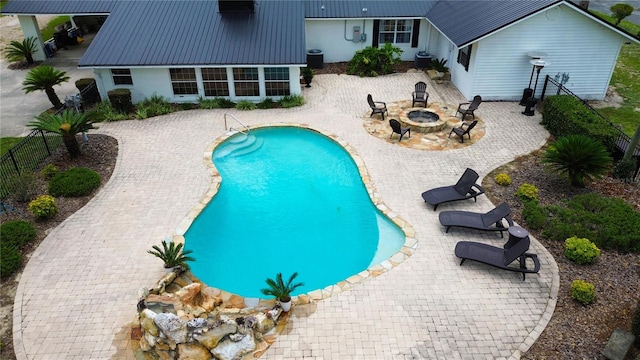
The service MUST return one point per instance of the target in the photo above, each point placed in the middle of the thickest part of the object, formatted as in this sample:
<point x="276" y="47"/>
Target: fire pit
<point x="423" y="116"/>
<point x="422" y="120"/>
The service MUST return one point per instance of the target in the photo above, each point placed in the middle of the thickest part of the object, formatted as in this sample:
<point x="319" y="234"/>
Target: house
<point x="184" y="50"/>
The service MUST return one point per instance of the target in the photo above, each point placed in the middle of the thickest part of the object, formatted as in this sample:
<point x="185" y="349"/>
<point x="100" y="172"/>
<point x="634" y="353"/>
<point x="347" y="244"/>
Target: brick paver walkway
<point x="78" y="293"/>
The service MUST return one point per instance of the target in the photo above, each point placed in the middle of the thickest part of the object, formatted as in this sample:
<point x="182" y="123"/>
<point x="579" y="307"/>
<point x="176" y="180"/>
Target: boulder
<point x="146" y="322"/>
<point x="212" y="337"/>
<point x="174" y="328"/>
<point x="193" y="352"/>
<point x="233" y="350"/>
<point x="189" y="294"/>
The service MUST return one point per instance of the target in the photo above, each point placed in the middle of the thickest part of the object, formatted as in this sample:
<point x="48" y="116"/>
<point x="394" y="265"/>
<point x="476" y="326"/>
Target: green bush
<point x="106" y="112"/>
<point x="581" y="250"/>
<point x="74" y="182"/>
<point x="267" y="103"/>
<point x="216" y="103"/>
<point x="624" y="169"/>
<point x="635" y="325"/>
<point x="290" y="101"/>
<point x="579" y="157"/>
<point x="565" y="115"/>
<point x="527" y="192"/>
<point x="186" y="106"/>
<point x="224" y="103"/>
<point x="372" y="61"/>
<point x="533" y="214"/>
<point x="439" y="65"/>
<point x="245" y="105"/>
<point x="44" y="207"/>
<point x="503" y="179"/>
<point x="154" y="106"/>
<point x="22" y="187"/>
<point x="10" y="260"/>
<point x="17" y="233"/>
<point x="48" y="171"/>
<point x="121" y="100"/>
<point x="583" y="291"/>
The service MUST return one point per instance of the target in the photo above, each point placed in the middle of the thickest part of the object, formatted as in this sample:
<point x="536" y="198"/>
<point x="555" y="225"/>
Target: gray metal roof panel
<point x="338" y="9"/>
<point x="187" y="32"/>
<point x="465" y="21"/>
<point x="34" y="7"/>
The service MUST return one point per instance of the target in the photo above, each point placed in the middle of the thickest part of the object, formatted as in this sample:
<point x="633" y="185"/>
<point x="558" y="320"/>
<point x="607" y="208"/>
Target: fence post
<point x="13" y="160"/>
<point x="544" y="88"/>
<point x="46" y="145"/>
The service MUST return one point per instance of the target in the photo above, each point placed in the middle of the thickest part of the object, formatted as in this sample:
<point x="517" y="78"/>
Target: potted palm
<point x="307" y="75"/>
<point x="172" y="255"/>
<point x="281" y="290"/>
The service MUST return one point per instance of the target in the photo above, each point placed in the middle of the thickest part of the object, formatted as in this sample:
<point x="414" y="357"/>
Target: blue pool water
<point x="290" y="200"/>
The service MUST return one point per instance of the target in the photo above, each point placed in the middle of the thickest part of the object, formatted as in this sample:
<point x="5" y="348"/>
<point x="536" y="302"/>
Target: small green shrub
<point x="120" y="100"/>
<point x="142" y="114"/>
<point x="527" y="192"/>
<point x="44" y="207"/>
<point x="106" y="112"/>
<point x="267" y="103"/>
<point x="579" y="157"/>
<point x="533" y="214"/>
<point x="439" y="65"/>
<point x="583" y="291"/>
<point x="624" y="170"/>
<point x="48" y="171"/>
<point x="17" y="233"/>
<point x="74" y="182"/>
<point x="245" y="105"/>
<point x="635" y="325"/>
<point x="580" y="250"/>
<point x="22" y="187"/>
<point x="224" y="103"/>
<point x="374" y="61"/>
<point x="172" y="255"/>
<point x="503" y="179"/>
<point x="10" y="260"/>
<point x="208" y="103"/>
<point x="290" y="101"/>
<point x="154" y="106"/>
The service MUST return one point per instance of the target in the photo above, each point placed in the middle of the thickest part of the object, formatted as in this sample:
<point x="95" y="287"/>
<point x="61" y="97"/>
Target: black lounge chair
<point x="473" y="106"/>
<point x="420" y="95"/>
<point x="396" y="128"/>
<point x="515" y="249"/>
<point x="465" y="188"/>
<point x="377" y="107"/>
<point x="461" y="131"/>
<point x="491" y="221"/>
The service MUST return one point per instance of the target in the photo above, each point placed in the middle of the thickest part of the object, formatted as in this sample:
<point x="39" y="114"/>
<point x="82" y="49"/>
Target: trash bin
<point x="422" y="60"/>
<point x="315" y="59"/>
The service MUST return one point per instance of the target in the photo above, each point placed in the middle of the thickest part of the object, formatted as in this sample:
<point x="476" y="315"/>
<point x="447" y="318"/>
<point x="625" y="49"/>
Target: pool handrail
<point x="238" y="121"/>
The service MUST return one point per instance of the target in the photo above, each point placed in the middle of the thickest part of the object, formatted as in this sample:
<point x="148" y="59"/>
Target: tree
<point x="67" y="124"/>
<point x="620" y="11"/>
<point x="44" y="78"/>
<point x="17" y="51"/>
<point x="579" y="157"/>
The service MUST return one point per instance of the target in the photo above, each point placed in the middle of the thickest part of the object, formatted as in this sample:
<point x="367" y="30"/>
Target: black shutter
<point x="416" y="33"/>
<point x="376" y="33"/>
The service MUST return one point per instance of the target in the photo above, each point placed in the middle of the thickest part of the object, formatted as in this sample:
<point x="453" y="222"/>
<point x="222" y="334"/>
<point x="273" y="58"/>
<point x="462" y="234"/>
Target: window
<point x="121" y="77"/>
<point x="395" y="31"/>
<point x="215" y="82"/>
<point x="464" y="56"/>
<point x="245" y="81"/>
<point x="184" y="81"/>
<point x="277" y="81"/>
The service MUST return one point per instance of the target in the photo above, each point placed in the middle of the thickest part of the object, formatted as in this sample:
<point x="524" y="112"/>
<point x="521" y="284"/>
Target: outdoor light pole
<point x="528" y="92"/>
<point x="538" y="64"/>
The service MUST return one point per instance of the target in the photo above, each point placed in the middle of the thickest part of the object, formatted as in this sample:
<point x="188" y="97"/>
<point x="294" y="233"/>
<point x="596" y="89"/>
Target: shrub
<point x="153" y="106"/>
<point x="172" y="255"/>
<point x="527" y="192"/>
<point x="106" y="112"/>
<point x="579" y="157"/>
<point x="624" y="170"/>
<point x="48" y="171"/>
<point x="635" y="325"/>
<point x="22" y="187"/>
<point x="290" y="101"/>
<point x="503" y="179"/>
<point x="224" y="103"/>
<point x="17" y="233"/>
<point x="208" y="103"/>
<point x="533" y="214"/>
<point x="583" y="291"/>
<point x="91" y="95"/>
<point x="44" y="207"/>
<point x="245" y="105"/>
<point x="267" y="103"/>
<point x="439" y="65"/>
<point x="10" y="260"/>
<point x="121" y="100"/>
<point x="580" y="250"/>
<point x="372" y="61"/>
<point x="74" y="182"/>
<point x="17" y="51"/>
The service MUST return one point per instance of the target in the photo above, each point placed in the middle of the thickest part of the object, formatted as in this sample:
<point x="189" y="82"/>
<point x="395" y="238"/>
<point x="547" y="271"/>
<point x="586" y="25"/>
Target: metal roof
<point x="339" y="9"/>
<point x="188" y="33"/>
<point x="66" y="7"/>
<point x="465" y="21"/>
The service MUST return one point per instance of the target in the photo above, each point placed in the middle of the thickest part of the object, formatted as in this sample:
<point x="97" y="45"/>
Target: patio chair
<point x="500" y="257"/>
<point x="472" y="106"/>
<point x="490" y="221"/>
<point x="420" y="95"/>
<point x="377" y="107"/>
<point x="461" y="131"/>
<point x="398" y="129"/>
<point x="465" y="188"/>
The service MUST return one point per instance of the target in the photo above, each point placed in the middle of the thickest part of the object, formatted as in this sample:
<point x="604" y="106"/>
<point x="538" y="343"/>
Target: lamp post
<point x="528" y="92"/>
<point x="538" y="64"/>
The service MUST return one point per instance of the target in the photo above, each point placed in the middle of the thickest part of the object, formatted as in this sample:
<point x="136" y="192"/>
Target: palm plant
<point x="579" y="157"/>
<point x="17" y="51"/>
<point x="67" y="124"/>
<point x="281" y="290"/>
<point x="44" y="78"/>
<point x="172" y="254"/>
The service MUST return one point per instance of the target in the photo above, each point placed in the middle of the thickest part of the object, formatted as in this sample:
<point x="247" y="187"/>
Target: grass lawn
<point x="7" y="143"/>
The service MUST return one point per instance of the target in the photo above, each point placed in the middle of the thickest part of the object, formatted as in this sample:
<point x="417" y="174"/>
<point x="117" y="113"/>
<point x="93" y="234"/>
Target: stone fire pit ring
<point x="421" y="120"/>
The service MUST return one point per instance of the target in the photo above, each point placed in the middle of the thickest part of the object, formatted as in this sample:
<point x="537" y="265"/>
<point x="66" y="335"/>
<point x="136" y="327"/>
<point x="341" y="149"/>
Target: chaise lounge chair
<point x="465" y="188"/>
<point x="491" y="221"/>
<point x="515" y="249"/>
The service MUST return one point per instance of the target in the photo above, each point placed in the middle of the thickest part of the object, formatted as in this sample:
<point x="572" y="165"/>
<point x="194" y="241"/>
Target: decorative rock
<point x="232" y="350"/>
<point x="146" y="321"/>
<point x="195" y="324"/>
<point x="212" y="337"/>
<point x="188" y="294"/>
<point x="150" y="340"/>
<point x="193" y="352"/>
<point x="264" y="323"/>
<point x="172" y="327"/>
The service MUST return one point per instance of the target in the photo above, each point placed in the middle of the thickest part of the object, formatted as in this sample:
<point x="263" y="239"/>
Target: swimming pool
<point x="290" y="200"/>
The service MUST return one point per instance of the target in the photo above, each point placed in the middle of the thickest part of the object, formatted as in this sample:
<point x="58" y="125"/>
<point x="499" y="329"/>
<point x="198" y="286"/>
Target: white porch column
<point x="30" y="28"/>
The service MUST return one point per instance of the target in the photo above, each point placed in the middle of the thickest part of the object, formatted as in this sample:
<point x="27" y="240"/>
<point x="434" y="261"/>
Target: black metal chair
<point x="473" y="106"/>
<point x="398" y="129"/>
<point x="461" y="131"/>
<point x="377" y="107"/>
<point x="420" y="95"/>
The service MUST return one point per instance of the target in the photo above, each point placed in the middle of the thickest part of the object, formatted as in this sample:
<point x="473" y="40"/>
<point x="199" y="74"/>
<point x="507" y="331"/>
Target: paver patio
<point x="78" y="293"/>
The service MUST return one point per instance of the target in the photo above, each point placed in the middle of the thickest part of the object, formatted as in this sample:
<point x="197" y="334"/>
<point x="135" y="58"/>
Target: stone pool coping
<point x="409" y="247"/>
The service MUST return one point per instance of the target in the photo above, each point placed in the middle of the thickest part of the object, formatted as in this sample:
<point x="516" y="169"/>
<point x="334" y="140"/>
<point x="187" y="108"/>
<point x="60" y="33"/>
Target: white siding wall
<point x="575" y="44"/>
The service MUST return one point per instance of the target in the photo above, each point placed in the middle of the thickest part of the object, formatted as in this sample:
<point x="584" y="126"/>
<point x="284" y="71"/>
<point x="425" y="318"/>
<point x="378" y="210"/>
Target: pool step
<point x="239" y="145"/>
